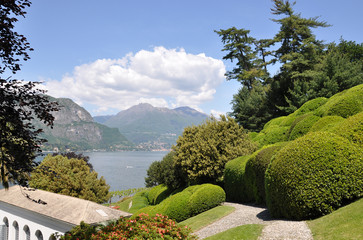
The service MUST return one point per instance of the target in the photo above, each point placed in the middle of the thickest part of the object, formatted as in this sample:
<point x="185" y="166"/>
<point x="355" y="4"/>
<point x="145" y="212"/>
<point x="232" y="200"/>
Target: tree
<point x="165" y="172"/>
<point x="20" y="101"/>
<point x="80" y="156"/>
<point x="70" y="177"/>
<point x="202" y="151"/>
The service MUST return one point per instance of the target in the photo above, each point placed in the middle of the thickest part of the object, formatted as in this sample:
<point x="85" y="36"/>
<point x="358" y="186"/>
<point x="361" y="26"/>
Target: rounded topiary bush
<point x="256" y="167"/>
<point x="235" y="182"/>
<point x="344" y="104"/>
<point x="187" y="203"/>
<point x="206" y="197"/>
<point x="352" y="129"/>
<point x="326" y="123"/>
<point x="272" y="134"/>
<point x="302" y="125"/>
<point x="158" y="193"/>
<point x="314" y="175"/>
<point x="311" y="105"/>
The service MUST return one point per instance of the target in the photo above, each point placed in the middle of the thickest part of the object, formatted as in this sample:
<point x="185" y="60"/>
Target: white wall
<point x="36" y="222"/>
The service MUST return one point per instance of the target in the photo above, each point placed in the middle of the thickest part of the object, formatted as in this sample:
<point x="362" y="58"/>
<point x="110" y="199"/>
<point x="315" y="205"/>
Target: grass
<point x="244" y="232"/>
<point x="344" y="223"/>
<point x="208" y="217"/>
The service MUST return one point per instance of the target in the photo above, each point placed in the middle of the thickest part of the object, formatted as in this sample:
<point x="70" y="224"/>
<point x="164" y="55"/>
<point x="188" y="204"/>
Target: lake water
<point x="123" y="170"/>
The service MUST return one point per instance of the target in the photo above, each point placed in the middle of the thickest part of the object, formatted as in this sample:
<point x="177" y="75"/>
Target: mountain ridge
<point x="153" y="127"/>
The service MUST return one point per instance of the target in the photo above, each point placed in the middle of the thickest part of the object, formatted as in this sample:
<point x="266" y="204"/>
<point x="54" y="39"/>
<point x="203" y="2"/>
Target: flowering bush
<point x="141" y="227"/>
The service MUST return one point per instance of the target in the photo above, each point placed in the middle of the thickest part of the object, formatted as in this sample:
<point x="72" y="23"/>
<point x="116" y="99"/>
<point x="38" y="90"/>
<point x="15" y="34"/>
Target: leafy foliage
<point x="165" y="172"/>
<point x="314" y="175"/>
<point x="20" y="101"/>
<point x="351" y="129"/>
<point x="141" y="227"/>
<point x="202" y="151"/>
<point x="71" y="177"/>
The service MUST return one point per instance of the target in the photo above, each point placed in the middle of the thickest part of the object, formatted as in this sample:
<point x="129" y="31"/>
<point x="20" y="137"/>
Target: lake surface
<point x="122" y="170"/>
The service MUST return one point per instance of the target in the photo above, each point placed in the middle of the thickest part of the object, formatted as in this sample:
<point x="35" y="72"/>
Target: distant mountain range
<point x="151" y="127"/>
<point x="75" y="129"/>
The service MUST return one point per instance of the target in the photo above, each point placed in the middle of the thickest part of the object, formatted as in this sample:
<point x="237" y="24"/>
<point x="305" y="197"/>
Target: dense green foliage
<point x="141" y="227"/>
<point x="235" y="180"/>
<point x="71" y="177"/>
<point x="314" y="175"/>
<point x="315" y="115"/>
<point x="309" y="68"/>
<point x="202" y="151"/>
<point x="165" y="172"/>
<point x="255" y="169"/>
<point x="352" y="129"/>
<point x="158" y="193"/>
<point x="188" y="202"/>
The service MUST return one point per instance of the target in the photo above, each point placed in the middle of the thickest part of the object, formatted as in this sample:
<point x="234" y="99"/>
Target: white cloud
<point x="216" y="113"/>
<point x="162" y="77"/>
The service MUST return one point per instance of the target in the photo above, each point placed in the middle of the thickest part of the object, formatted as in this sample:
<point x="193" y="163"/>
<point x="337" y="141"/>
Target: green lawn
<point x="345" y="223"/>
<point x="244" y="232"/>
<point x="208" y="217"/>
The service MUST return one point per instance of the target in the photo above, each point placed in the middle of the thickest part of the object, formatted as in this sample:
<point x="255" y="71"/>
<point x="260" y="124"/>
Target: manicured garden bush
<point x="326" y="123"/>
<point x="314" y="175"/>
<point x="235" y="181"/>
<point x="141" y="227"/>
<point x="302" y="125"/>
<point x="256" y="167"/>
<point x="272" y="134"/>
<point x="139" y="200"/>
<point x="344" y="104"/>
<point x="352" y="129"/>
<point x="206" y="197"/>
<point x="183" y="205"/>
<point x="158" y="193"/>
<point x="310" y="106"/>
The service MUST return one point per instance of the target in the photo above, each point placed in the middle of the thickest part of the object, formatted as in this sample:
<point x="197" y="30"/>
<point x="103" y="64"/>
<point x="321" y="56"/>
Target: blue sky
<point x="110" y="55"/>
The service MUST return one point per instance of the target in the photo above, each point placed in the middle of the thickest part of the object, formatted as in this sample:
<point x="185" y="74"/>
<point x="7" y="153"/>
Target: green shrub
<point x="157" y="194"/>
<point x="314" y="175"/>
<point x="235" y="181"/>
<point x="344" y="104"/>
<point x="311" y="105"/>
<point x="272" y="134"/>
<point x="326" y="123"/>
<point x="256" y="167"/>
<point x="352" y="129"/>
<point x="206" y="197"/>
<point x="139" y="200"/>
<point x="179" y="207"/>
<point x="302" y="125"/>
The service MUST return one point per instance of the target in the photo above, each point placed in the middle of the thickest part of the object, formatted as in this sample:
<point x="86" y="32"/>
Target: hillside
<point x="152" y="127"/>
<point x="75" y="129"/>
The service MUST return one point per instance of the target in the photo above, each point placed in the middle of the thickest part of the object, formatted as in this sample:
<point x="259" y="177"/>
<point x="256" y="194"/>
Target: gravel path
<point x="250" y="214"/>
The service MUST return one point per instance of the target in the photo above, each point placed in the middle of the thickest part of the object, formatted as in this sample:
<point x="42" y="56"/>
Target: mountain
<point x="75" y="129"/>
<point x="152" y="127"/>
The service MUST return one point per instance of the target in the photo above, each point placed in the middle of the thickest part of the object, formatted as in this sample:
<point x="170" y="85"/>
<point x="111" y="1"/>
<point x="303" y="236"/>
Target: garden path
<point x="274" y="229"/>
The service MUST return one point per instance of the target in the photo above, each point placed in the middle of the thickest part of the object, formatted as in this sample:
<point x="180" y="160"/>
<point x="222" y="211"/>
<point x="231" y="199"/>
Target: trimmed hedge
<point x="256" y="167"/>
<point x="206" y="197"/>
<point x="326" y="123"/>
<point x="158" y="193"/>
<point x="352" y="129"/>
<point x="302" y="125"/>
<point x="235" y="183"/>
<point x="314" y="175"/>
<point x="139" y="201"/>
<point x="344" y="104"/>
<point x="189" y="202"/>
<point x="310" y="106"/>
